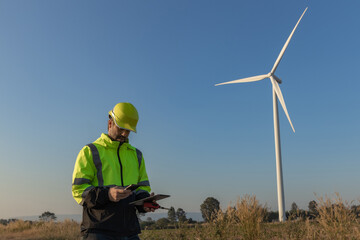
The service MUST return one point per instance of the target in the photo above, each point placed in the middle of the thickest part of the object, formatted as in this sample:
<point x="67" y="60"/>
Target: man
<point x="102" y="171"/>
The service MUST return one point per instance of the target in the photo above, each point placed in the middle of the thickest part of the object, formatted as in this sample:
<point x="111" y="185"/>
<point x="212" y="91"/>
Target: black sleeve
<point x="141" y="196"/>
<point x="97" y="197"/>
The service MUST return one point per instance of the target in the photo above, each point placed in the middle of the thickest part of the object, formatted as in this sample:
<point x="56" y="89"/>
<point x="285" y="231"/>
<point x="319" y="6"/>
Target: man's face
<point x="117" y="134"/>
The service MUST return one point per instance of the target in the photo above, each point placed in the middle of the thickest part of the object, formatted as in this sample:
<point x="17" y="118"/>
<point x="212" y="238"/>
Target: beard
<point x="121" y="138"/>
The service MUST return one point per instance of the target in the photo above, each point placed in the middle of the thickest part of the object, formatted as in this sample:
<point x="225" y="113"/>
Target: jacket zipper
<point x="121" y="170"/>
<point x="122" y="181"/>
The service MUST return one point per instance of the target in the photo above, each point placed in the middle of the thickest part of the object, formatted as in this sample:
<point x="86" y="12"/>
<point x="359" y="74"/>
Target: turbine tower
<point x="277" y="95"/>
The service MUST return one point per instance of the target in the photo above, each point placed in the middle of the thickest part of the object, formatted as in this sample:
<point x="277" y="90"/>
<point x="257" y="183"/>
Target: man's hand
<point x="150" y="209"/>
<point x="118" y="193"/>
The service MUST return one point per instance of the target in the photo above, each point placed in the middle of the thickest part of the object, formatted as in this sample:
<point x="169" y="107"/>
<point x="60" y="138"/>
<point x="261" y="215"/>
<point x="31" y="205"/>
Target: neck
<point x="120" y="139"/>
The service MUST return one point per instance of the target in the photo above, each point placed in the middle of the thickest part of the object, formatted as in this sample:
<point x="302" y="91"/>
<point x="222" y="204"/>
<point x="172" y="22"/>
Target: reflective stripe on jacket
<point x="108" y="171"/>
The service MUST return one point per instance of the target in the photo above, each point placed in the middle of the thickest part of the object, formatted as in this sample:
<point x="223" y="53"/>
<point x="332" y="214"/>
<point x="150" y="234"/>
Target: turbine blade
<point x="281" y="99"/>
<point x="285" y="46"/>
<point x="249" y="79"/>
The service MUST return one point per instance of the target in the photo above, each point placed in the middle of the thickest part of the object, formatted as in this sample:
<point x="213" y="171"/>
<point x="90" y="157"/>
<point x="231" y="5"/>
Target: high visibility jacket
<point x="102" y="165"/>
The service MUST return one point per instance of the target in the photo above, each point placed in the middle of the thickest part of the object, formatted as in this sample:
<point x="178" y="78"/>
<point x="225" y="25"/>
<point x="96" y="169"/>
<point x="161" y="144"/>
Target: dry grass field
<point x="335" y="220"/>
<point x="40" y="230"/>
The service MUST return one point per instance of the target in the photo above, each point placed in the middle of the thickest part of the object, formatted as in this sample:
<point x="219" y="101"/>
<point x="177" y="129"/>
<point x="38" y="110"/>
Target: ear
<point x="109" y="124"/>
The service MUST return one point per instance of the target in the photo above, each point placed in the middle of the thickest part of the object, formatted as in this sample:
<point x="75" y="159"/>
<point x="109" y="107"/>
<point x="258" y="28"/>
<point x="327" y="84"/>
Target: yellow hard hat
<point x="125" y="116"/>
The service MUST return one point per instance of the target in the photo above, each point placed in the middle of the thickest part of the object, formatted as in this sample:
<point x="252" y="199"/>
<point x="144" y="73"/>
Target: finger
<point x="124" y="195"/>
<point x="123" y="191"/>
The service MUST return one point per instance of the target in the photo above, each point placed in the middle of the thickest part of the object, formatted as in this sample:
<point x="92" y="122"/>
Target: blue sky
<point x="65" y="64"/>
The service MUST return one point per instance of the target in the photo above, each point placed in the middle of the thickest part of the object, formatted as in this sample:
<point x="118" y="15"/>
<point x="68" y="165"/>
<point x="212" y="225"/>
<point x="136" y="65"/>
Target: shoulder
<point x="85" y="150"/>
<point x="89" y="150"/>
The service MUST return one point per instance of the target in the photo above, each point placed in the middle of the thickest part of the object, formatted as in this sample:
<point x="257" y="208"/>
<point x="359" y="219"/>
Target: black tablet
<point x="149" y="199"/>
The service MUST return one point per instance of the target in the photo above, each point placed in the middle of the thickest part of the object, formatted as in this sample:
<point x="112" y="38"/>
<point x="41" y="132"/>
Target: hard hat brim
<point x="120" y="124"/>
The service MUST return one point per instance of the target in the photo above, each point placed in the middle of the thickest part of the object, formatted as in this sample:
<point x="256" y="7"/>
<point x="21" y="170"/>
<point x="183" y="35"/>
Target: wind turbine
<point x="276" y="95"/>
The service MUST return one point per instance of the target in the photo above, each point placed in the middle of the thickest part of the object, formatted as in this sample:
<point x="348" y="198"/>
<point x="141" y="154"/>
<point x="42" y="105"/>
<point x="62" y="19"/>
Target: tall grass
<point x="336" y="220"/>
<point x="242" y="221"/>
<point x="66" y="230"/>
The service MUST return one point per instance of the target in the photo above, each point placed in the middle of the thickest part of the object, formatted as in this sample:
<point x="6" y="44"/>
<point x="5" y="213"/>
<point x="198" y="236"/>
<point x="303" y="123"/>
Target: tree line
<point x="45" y="216"/>
<point x="211" y="206"/>
<point x="174" y="219"/>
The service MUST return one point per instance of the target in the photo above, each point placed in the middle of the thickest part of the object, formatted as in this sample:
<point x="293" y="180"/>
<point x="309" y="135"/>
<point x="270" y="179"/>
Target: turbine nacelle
<point x="276" y="78"/>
